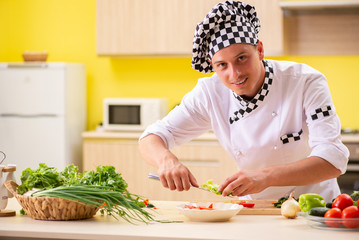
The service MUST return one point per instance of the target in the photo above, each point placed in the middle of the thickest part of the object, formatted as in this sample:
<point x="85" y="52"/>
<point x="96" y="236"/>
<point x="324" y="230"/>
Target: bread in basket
<point x="51" y="208"/>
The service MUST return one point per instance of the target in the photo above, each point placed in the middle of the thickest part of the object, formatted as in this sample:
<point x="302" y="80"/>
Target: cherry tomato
<point x="333" y="213"/>
<point x="351" y="212"/>
<point x="342" y="201"/>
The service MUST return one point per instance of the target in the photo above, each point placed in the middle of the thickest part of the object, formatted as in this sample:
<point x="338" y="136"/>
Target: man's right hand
<point x="174" y="175"/>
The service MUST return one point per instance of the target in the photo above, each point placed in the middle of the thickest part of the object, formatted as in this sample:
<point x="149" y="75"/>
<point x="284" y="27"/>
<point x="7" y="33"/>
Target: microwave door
<point x="125" y="114"/>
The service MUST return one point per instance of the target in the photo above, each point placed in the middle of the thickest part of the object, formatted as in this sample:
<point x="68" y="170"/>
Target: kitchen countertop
<point x="107" y="228"/>
<point x="209" y="136"/>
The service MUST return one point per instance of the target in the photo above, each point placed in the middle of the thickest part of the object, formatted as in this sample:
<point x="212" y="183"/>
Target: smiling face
<point x="240" y="68"/>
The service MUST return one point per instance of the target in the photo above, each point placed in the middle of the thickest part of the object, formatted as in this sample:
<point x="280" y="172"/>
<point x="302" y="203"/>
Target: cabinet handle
<point x="27" y="65"/>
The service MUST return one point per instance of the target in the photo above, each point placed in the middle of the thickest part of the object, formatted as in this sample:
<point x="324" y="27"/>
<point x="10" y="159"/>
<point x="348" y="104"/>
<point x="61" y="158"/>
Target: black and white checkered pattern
<point x="322" y="112"/>
<point x="249" y="106"/>
<point x="227" y="23"/>
<point x="292" y="137"/>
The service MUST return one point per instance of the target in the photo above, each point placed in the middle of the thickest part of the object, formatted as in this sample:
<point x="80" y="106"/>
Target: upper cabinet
<point x="166" y="27"/>
<point x="320" y="27"/>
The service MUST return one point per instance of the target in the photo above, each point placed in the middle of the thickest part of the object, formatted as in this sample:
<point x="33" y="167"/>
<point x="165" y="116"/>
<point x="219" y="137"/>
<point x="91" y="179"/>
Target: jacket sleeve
<point x="323" y="123"/>
<point x="186" y="121"/>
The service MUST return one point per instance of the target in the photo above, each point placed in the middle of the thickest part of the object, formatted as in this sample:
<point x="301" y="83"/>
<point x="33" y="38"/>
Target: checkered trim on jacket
<point x="322" y="112"/>
<point x="292" y="137"/>
<point x="249" y="106"/>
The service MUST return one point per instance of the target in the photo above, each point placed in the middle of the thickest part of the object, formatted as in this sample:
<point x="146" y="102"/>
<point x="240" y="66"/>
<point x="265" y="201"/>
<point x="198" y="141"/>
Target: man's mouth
<point x="240" y="82"/>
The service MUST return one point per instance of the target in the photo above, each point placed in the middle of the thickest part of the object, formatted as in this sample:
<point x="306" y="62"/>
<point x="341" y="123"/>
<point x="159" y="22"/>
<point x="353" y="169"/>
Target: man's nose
<point x="235" y="72"/>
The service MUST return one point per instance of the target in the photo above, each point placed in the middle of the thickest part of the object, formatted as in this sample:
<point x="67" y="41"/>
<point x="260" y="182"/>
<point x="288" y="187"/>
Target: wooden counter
<point x="106" y="228"/>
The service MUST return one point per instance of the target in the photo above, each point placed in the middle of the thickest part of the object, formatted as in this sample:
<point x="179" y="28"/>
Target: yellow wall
<point x="66" y="29"/>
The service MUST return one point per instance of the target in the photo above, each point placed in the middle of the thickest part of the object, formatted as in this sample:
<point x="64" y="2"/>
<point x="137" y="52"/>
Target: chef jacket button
<point x="274" y="114"/>
<point x="275" y="147"/>
<point x="238" y="153"/>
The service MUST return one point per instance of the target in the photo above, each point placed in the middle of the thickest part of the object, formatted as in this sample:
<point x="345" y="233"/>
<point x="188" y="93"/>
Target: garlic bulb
<point x="290" y="207"/>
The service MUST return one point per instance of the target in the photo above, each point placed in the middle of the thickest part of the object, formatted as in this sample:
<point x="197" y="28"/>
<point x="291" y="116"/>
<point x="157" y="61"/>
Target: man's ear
<point x="260" y="50"/>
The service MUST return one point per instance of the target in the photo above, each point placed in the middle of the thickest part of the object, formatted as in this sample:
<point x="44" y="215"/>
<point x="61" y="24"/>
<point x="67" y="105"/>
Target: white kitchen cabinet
<point x="203" y="156"/>
<point x="42" y="114"/>
<point x="320" y="27"/>
<point x="162" y="27"/>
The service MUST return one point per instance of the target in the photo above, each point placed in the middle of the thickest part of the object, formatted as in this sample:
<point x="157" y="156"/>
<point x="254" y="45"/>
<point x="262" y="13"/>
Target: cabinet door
<point x="205" y="160"/>
<point x="31" y="91"/>
<point x="28" y="141"/>
<point x="150" y="27"/>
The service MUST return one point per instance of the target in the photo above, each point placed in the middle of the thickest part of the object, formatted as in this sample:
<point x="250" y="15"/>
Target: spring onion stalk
<point x="112" y="202"/>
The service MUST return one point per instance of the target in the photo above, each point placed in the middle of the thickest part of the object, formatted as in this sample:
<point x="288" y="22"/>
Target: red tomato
<point x="351" y="212"/>
<point x="333" y="213"/>
<point x="342" y="201"/>
<point x="245" y="204"/>
<point x="210" y="207"/>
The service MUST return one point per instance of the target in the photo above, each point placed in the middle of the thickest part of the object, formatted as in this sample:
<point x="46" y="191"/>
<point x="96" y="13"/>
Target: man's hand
<point x="174" y="175"/>
<point x="244" y="182"/>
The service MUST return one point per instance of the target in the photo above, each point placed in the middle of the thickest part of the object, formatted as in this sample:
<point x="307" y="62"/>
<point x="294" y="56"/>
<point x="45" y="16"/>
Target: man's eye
<point x="221" y="65"/>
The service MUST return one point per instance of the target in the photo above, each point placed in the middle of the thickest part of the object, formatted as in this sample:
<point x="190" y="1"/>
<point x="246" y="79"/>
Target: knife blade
<point x="156" y="177"/>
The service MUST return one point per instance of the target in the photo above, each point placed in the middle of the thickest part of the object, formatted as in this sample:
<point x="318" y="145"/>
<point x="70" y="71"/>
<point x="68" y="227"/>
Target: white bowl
<point x="222" y="211"/>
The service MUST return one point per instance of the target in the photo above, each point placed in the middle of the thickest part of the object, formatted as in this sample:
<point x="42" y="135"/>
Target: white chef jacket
<point x="296" y="119"/>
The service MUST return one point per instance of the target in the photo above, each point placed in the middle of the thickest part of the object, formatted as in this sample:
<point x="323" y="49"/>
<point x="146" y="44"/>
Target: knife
<point x="156" y="177"/>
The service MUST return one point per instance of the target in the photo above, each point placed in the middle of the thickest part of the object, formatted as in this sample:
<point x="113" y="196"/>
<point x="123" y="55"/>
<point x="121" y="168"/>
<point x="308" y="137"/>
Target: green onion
<point x="113" y="202"/>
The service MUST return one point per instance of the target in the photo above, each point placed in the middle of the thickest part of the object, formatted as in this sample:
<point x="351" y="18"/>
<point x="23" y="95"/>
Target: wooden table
<point x="107" y="228"/>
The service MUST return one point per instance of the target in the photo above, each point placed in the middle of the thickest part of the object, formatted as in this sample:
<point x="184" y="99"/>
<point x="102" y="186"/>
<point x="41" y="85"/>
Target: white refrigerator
<point x="42" y="114"/>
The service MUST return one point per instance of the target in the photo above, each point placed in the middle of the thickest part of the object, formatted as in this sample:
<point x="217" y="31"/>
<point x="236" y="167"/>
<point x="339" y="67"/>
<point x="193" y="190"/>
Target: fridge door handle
<point x="27" y="115"/>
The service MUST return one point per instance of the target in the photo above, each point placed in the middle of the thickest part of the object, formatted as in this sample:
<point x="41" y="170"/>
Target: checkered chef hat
<point x="227" y="23"/>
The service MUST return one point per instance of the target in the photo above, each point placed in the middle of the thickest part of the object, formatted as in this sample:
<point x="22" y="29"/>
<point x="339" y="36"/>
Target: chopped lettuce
<point x="212" y="187"/>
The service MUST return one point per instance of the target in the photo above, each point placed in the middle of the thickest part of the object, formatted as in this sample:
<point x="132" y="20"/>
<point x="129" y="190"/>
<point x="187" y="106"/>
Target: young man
<point x="276" y="119"/>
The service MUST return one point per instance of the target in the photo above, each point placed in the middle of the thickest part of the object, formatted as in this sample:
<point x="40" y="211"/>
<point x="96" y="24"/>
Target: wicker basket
<point x="35" y="56"/>
<point x="51" y="208"/>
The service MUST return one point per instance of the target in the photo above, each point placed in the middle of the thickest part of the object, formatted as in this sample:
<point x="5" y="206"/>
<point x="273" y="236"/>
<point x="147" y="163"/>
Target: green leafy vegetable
<point x="105" y="176"/>
<point x="104" y="188"/>
<point x="212" y="187"/>
<point x="355" y="195"/>
<point x="43" y="177"/>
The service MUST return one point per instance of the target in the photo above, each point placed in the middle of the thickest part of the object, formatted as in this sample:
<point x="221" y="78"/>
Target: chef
<point x="275" y="118"/>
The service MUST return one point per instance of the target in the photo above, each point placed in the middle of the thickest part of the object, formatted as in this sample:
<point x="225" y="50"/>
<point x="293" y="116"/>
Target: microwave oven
<point x="132" y="114"/>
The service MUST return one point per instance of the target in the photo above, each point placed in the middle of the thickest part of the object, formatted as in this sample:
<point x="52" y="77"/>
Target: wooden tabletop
<point x="107" y="228"/>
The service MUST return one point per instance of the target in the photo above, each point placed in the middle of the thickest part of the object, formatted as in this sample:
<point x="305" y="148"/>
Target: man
<point x="276" y="119"/>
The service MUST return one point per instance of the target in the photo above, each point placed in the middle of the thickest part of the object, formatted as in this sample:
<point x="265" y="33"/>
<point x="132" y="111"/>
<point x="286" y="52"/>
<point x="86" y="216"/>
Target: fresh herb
<point x="281" y="200"/>
<point x="22" y="212"/>
<point x="43" y="177"/>
<point x="355" y="195"/>
<point x="105" y="176"/>
<point x="104" y="188"/>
